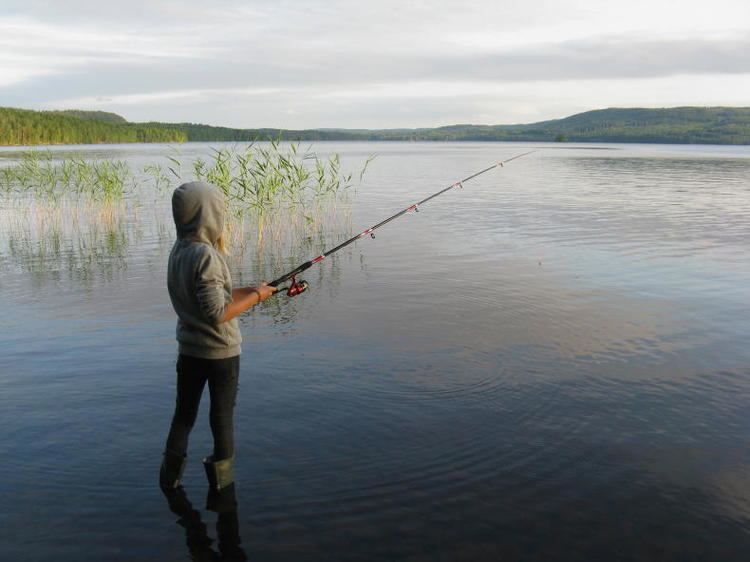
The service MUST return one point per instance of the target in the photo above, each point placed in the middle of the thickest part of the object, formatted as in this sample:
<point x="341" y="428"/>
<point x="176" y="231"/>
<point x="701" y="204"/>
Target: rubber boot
<point x="172" y="467"/>
<point x="221" y="493"/>
<point x="220" y="474"/>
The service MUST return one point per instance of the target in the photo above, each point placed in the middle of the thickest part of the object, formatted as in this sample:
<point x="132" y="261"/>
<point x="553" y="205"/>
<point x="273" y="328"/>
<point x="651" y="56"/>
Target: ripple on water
<point x="527" y="359"/>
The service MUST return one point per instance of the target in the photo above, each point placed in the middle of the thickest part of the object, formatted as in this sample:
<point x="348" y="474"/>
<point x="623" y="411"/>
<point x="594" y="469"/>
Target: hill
<point x="679" y="125"/>
<point x="94" y="115"/>
<point x="695" y="125"/>
<point x="26" y="127"/>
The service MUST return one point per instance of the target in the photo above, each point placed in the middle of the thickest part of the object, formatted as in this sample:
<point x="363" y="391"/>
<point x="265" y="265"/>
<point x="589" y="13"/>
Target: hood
<point x="198" y="211"/>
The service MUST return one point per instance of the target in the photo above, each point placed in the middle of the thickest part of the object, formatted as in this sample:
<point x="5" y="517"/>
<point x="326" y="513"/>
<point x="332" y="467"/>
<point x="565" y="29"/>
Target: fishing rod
<point x="297" y="287"/>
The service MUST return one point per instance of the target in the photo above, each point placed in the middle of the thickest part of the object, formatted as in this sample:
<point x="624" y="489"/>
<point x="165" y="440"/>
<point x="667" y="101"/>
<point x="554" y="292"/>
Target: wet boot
<point x="221" y="494"/>
<point x="220" y="474"/>
<point x="172" y="467"/>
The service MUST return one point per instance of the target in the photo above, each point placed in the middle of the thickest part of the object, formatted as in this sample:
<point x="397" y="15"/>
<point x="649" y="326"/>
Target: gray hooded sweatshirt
<point x="198" y="278"/>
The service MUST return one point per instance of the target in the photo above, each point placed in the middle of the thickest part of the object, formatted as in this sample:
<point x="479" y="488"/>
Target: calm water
<point x="551" y="364"/>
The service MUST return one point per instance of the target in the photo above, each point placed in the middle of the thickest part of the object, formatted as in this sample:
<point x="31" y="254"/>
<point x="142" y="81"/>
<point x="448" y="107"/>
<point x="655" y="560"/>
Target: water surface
<point x="551" y="364"/>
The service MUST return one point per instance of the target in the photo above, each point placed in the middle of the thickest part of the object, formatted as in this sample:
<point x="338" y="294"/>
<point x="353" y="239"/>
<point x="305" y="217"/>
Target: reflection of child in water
<point x="196" y="533"/>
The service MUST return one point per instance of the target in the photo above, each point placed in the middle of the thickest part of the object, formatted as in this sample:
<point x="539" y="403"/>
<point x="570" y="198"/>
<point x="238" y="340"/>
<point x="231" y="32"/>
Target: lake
<point x="551" y="364"/>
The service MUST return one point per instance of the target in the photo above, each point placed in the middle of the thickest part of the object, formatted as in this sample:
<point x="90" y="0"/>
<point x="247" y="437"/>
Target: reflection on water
<point x="197" y="538"/>
<point x="80" y="241"/>
<point x="48" y="241"/>
<point x="551" y="364"/>
<point x="266" y="246"/>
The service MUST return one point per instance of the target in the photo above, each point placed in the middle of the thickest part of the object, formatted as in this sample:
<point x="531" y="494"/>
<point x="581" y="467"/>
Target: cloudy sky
<point x="384" y="63"/>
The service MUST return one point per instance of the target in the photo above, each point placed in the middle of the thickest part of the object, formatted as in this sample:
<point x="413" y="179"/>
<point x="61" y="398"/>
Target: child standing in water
<point x="200" y="288"/>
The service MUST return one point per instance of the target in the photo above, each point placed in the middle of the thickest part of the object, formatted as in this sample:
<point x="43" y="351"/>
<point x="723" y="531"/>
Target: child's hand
<point x="265" y="291"/>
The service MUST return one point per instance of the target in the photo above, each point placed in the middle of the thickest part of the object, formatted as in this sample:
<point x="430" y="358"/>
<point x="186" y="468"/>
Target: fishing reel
<point x="295" y="287"/>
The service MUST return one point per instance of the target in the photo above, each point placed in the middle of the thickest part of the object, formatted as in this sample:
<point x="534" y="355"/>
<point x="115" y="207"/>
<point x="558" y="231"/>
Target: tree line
<point x="26" y="127"/>
<point x="684" y="125"/>
<point x="679" y="125"/>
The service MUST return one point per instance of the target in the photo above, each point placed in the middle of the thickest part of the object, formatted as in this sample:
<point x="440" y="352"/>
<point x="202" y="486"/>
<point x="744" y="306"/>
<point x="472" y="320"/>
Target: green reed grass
<point x="259" y="178"/>
<point x="256" y="179"/>
<point x="270" y="189"/>
<point x="80" y="241"/>
<point x="43" y="176"/>
<point x="277" y="194"/>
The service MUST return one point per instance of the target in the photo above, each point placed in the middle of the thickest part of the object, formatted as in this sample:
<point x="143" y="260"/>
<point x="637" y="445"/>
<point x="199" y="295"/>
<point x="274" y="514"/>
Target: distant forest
<point x="24" y="127"/>
<point x="679" y="125"/>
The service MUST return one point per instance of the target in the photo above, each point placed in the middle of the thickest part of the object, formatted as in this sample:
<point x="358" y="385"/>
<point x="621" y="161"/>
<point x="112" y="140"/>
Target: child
<point x="200" y="288"/>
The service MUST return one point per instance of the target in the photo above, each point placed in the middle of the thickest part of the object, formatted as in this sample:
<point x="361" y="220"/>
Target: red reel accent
<point x="296" y="287"/>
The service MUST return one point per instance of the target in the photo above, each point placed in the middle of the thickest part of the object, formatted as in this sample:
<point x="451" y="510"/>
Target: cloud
<point x="167" y="58"/>
<point x="170" y="96"/>
<point x="429" y="103"/>
<point x="29" y="48"/>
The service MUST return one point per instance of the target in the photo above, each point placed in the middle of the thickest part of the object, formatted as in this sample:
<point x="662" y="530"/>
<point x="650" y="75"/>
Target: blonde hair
<point x="221" y="243"/>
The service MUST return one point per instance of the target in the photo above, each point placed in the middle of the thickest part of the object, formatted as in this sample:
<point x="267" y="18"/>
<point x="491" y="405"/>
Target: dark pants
<point x="192" y="374"/>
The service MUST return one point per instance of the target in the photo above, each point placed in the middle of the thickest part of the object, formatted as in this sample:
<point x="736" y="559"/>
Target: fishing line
<point x="296" y="287"/>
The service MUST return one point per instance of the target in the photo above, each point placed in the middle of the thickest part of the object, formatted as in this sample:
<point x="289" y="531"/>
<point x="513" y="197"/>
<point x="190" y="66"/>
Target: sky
<point x="379" y="64"/>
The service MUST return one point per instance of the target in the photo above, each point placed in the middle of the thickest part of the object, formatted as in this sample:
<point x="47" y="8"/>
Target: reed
<point x="256" y="178"/>
<point x="260" y="178"/>
<point x="66" y="239"/>
<point x="41" y="175"/>
<point x="274" y="191"/>
<point x="277" y="194"/>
